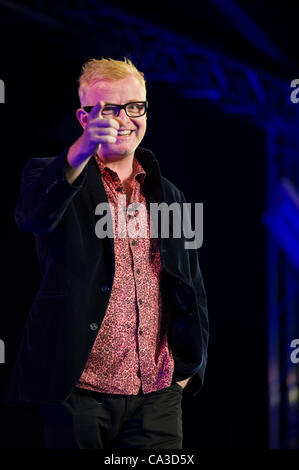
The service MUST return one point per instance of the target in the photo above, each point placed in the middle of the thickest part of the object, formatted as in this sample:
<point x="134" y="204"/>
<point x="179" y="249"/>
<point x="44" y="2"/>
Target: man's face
<point x="119" y="92"/>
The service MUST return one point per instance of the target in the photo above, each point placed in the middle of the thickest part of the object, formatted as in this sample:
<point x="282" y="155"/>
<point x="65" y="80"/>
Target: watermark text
<point x="164" y="220"/>
<point x="295" y="353"/>
<point x="294" y="96"/>
<point x="2" y="352"/>
<point x="2" y="91"/>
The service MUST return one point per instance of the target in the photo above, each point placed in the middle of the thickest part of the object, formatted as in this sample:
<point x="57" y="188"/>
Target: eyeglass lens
<point x="132" y="109"/>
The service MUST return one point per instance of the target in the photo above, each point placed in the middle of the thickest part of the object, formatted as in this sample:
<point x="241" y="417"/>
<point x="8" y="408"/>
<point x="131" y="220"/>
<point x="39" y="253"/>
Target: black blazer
<point x="77" y="275"/>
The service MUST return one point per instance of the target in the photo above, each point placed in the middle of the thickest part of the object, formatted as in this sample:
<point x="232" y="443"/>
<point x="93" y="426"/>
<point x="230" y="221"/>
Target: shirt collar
<point x="137" y="173"/>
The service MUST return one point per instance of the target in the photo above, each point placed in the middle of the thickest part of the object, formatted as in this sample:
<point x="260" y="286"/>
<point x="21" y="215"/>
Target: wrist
<point x="77" y="157"/>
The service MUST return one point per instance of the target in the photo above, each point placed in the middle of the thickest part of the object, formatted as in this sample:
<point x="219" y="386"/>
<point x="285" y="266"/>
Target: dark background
<point x="214" y="158"/>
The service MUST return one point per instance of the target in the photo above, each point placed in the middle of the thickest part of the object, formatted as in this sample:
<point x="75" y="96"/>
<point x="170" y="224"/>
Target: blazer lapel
<point x="94" y="185"/>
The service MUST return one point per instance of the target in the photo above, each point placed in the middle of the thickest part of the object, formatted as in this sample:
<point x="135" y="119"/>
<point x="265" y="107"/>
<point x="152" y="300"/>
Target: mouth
<point x="124" y="132"/>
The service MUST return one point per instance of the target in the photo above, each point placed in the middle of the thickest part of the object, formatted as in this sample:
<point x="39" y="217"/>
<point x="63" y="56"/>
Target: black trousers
<point x="90" y="420"/>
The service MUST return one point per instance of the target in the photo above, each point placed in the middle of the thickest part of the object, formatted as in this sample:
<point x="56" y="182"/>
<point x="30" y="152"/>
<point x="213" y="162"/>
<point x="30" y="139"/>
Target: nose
<point x="122" y="117"/>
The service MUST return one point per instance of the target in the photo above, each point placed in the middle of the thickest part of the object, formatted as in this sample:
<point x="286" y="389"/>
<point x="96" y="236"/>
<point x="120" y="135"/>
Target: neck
<point x="123" y="167"/>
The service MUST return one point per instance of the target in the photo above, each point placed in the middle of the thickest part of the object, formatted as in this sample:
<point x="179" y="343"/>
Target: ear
<point x="82" y="117"/>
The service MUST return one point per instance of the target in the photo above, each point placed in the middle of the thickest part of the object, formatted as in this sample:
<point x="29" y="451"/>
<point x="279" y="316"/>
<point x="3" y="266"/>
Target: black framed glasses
<point x="132" y="109"/>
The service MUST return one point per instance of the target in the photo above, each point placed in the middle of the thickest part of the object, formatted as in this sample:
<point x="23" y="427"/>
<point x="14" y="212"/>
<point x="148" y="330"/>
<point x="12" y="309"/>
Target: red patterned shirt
<point x="131" y="348"/>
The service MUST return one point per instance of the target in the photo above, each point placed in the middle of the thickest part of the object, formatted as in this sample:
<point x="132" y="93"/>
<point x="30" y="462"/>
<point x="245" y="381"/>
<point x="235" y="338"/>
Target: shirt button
<point x="140" y="301"/>
<point x="140" y="331"/>
<point x="93" y="326"/>
<point x="105" y="289"/>
<point x="118" y="189"/>
<point x="134" y="242"/>
<point x="133" y="207"/>
<point x="138" y="271"/>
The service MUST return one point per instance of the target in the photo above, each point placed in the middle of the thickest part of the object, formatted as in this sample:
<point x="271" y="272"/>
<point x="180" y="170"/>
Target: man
<point x="119" y="325"/>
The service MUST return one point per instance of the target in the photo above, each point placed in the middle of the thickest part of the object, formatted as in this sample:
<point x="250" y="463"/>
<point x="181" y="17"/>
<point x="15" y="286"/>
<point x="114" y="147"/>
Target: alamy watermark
<point x="294" y="96"/>
<point x="2" y="352"/>
<point x="295" y="353"/>
<point x="175" y="216"/>
<point x="2" y="91"/>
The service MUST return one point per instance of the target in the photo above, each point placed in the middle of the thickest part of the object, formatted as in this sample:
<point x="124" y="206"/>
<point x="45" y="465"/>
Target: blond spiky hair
<point x="106" y="69"/>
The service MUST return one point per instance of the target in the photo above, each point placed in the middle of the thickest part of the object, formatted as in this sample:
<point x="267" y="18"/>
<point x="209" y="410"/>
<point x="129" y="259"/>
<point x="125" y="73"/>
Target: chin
<point x="116" y="152"/>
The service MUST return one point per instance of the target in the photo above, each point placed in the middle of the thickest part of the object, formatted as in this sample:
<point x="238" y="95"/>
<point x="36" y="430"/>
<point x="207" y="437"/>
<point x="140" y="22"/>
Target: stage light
<point x="282" y="220"/>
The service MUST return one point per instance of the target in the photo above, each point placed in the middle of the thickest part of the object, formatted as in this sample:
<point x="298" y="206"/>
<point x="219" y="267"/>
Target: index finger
<point x="96" y="110"/>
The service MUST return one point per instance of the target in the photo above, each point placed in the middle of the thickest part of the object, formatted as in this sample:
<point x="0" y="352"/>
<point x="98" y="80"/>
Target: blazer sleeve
<point x="45" y="194"/>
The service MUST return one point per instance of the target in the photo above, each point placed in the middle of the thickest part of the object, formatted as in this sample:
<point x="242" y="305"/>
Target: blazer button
<point x="93" y="326"/>
<point x="105" y="289"/>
